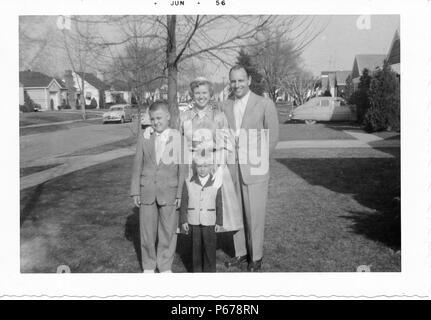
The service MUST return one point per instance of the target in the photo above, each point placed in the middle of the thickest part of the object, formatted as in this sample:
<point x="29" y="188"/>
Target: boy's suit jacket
<point x="158" y="182"/>
<point x="260" y="113"/>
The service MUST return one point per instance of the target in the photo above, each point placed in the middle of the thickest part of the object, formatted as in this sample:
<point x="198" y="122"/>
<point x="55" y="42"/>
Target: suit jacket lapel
<point x="152" y="147"/>
<point x="248" y="109"/>
<point x="229" y="114"/>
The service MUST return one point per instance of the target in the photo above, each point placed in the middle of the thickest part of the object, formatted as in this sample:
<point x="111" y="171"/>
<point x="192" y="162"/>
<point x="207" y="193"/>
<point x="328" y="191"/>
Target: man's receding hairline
<point x="239" y="67"/>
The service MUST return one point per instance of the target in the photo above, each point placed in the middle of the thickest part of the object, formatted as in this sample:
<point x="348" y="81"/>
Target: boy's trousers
<point x="158" y="223"/>
<point x="204" y="242"/>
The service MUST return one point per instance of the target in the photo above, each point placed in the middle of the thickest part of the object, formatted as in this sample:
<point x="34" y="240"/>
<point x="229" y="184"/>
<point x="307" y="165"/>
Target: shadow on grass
<point x="374" y="183"/>
<point x="132" y="233"/>
<point x="32" y="198"/>
<point x="395" y="152"/>
<point x="184" y="247"/>
<point x="340" y="125"/>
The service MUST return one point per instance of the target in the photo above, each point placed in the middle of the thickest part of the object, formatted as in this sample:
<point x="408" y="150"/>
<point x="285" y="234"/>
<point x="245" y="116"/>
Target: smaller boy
<point x="201" y="213"/>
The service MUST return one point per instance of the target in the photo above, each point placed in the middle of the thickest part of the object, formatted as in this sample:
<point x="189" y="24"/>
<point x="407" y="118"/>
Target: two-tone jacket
<point x="201" y="205"/>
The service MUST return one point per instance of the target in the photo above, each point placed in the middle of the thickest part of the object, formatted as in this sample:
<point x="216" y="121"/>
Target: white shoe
<point x="148" y="271"/>
<point x="166" y="271"/>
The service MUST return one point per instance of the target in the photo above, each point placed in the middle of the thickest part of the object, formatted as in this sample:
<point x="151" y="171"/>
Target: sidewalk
<point x="70" y="164"/>
<point x="360" y="140"/>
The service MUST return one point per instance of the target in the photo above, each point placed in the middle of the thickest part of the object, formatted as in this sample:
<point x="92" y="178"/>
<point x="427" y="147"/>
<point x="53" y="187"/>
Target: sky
<point x="334" y="48"/>
<point x="337" y="46"/>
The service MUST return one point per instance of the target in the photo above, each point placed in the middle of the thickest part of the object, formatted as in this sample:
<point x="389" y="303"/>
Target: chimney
<point x="100" y="76"/>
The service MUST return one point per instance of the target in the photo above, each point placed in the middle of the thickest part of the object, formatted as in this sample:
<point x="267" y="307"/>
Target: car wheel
<point x="122" y="120"/>
<point x="310" y="121"/>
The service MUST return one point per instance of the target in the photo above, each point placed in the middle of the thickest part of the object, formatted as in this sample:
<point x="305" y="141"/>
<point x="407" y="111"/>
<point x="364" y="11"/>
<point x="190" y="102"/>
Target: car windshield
<point x="116" y="109"/>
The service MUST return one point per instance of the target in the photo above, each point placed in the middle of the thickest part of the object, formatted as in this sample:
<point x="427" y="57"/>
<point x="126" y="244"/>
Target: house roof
<point x="369" y="61"/>
<point x="36" y="79"/>
<point x="393" y="56"/>
<point x="341" y="77"/>
<point x="326" y="73"/>
<point x="93" y="80"/>
<point x="119" y="85"/>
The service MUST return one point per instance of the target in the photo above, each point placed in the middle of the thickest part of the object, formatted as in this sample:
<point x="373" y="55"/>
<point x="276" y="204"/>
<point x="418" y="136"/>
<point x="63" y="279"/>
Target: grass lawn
<point x="128" y="142"/>
<point x="319" y="131"/>
<point x="30" y="118"/>
<point x="323" y="214"/>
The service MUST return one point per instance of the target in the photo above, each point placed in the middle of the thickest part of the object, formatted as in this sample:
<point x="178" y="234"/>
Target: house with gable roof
<point x="46" y="91"/>
<point x="393" y="56"/>
<point x="333" y="82"/>
<point x="94" y="88"/>
<point x="365" y="61"/>
<point x="118" y="92"/>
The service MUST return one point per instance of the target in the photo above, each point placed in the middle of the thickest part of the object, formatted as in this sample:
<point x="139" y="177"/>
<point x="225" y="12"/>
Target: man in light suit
<point x="156" y="187"/>
<point x="254" y="121"/>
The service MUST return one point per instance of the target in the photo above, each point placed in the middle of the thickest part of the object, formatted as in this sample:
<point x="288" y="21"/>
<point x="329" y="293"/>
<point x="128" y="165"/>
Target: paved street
<point x="39" y="149"/>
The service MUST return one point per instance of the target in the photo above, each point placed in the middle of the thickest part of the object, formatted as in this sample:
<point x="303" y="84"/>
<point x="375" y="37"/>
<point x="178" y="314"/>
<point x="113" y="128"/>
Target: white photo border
<point x="412" y="282"/>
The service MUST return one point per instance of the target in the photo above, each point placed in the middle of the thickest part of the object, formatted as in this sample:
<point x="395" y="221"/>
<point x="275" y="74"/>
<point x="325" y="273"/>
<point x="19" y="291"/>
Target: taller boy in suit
<point x="255" y="123"/>
<point x="156" y="187"/>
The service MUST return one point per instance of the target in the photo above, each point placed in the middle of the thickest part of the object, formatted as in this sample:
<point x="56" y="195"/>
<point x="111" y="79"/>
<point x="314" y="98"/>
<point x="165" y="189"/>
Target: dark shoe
<point x="235" y="262"/>
<point x="255" y="266"/>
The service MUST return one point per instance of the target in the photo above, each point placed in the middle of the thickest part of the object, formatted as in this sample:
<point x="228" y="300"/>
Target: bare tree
<point x="299" y="86"/>
<point x="279" y="55"/>
<point x="214" y="39"/>
<point x="83" y="53"/>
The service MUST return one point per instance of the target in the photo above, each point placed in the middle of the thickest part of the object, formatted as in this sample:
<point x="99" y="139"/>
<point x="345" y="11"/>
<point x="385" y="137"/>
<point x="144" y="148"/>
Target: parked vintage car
<point x="118" y="113"/>
<point x="145" y="119"/>
<point x="324" y="109"/>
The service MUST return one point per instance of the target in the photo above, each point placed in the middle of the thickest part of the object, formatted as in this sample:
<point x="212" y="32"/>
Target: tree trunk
<point x="83" y="97"/>
<point x="171" y="55"/>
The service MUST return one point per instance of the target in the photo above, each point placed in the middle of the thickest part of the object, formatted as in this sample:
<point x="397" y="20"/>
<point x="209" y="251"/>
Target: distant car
<point x="118" y="113"/>
<point x="324" y="109"/>
<point x="145" y="119"/>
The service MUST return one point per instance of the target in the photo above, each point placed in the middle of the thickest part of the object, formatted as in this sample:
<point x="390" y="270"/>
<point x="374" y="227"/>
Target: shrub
<point x="29" y="104"/>
<point x="349" y="90"/>
<point x="327" y="93"/>
<point x="93" y="104"/>
<point x="374" y="120"/>
<point x="384" y="97"/>
<point x="360" y="97"/>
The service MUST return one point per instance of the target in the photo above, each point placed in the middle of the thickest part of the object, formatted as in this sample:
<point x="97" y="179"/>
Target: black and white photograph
<point x="330" y="101"/>
<point x="225" y="143"/>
